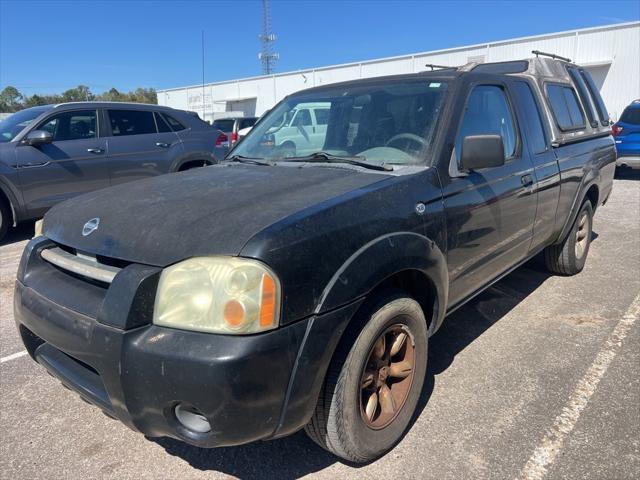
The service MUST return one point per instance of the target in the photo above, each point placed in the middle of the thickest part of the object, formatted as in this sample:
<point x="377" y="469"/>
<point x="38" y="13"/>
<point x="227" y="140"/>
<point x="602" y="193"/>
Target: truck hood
<point x="205" y="211"/>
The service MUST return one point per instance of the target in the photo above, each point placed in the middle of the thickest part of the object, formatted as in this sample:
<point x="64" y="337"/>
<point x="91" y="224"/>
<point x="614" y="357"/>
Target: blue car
<point x="627" y="135"/>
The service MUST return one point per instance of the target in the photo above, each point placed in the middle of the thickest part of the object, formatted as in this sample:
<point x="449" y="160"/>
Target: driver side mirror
<point x="482" y="151"/>
<point x="38" y="137"/>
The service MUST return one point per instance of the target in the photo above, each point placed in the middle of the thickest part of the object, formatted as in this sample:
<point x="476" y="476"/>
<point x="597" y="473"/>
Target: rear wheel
<point x="569" y="257"/>
<point x="374" y="382"/>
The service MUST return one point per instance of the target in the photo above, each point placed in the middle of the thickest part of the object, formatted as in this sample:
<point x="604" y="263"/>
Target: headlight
<point x="38" y="228"/>
<point x="218" y="294"/>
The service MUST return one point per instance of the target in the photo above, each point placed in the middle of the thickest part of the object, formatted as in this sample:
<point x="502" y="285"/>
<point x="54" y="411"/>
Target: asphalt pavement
<point x="538" y="377"/>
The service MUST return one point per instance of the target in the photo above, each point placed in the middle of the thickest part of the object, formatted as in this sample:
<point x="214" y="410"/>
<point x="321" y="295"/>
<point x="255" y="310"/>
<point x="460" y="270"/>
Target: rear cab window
<point x="585" y="96"/>
<point x="565" y="107"/>
<point x="526" y="99"/>
<point x="595" y="94"/>
<point x="131" y="122"/>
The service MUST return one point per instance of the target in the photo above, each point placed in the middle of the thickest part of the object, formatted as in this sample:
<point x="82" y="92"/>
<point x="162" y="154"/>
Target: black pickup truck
<point x="296" y="284"/>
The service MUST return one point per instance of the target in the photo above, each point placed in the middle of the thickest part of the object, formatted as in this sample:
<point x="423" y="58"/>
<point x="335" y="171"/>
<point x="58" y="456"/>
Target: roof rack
<point x="433" y="66"/>
<point x="538" y="53"/>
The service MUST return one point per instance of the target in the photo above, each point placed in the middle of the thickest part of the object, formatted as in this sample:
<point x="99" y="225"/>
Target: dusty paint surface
<point x="507" y="383"/>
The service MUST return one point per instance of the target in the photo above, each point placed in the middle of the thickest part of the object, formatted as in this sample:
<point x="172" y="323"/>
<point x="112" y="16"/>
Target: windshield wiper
<point x="249" y="160"/>
<point x="324" y="157"/>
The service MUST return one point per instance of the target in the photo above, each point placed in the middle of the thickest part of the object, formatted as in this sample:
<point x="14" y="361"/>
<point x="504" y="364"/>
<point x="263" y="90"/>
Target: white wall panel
<point x="615" y="49"/>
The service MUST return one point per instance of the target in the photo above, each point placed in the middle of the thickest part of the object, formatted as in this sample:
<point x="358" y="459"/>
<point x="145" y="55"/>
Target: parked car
<point x="627" y="136"/>
<point x="54" y="152"/>
<point x="271" y="293"/>
<point x="230" y="128"/>
<point x="302" y="130"/>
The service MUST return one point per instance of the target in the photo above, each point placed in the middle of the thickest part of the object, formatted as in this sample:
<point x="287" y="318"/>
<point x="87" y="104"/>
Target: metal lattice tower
<point x="267" y="56"/>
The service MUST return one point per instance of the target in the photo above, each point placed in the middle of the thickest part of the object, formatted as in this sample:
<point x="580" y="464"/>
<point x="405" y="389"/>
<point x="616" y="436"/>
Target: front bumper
<point x="248" y="387"/>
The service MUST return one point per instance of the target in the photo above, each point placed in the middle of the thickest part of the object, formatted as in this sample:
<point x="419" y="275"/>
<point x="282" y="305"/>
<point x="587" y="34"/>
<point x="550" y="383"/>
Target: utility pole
<point x="203" y="104"/>
<point x="267" y="56"/>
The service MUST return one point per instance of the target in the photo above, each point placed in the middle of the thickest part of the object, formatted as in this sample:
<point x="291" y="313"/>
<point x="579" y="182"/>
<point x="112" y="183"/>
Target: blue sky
<point x="50" y="46"/>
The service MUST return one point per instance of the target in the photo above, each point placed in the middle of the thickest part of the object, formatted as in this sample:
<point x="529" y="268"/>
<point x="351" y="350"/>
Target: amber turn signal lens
<point x="268" y="304"/>
<point x="234" y="313"/>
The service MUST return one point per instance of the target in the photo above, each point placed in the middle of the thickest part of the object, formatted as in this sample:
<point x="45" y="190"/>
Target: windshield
<point x="384" y="123"/>
<point x="14" y="124"/>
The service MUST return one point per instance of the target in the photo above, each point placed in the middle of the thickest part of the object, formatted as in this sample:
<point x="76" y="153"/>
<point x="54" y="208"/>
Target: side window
<point x="131" y="122"/>
<point x="176" y="126"/>
<point x="322" y="116"/>
<point x="532" y="112"/>
<point x="302" y="119"/>
<point x="585" y="98"/>
<point x="565" y="107"/>
<point x="74" y="125"/>
<point x="163" y="126"/>
<point x="595" y="94"/>
<point x="488" y="112"/>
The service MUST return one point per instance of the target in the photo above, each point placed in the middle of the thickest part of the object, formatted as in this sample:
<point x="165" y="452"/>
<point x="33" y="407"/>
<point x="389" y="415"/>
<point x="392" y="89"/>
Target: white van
<point x="304" y="130"/>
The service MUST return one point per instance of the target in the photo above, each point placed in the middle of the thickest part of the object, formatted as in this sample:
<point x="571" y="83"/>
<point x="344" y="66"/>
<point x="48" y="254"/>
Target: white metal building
<point x="611" y="53"/>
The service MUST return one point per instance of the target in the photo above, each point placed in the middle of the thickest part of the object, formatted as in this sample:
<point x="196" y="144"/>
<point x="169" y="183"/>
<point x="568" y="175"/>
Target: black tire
<point x="338" y="423"/>
<point x="192" y="164"/>
<point x="5" y="218"/>
<point x="569" y="257"/>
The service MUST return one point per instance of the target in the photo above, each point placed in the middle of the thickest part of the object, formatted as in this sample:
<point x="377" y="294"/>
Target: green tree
<point x="81" y="93"/>
<point x="10" y="99"/>
<point x="112" y="95"/>
<point x="34" y="100"/>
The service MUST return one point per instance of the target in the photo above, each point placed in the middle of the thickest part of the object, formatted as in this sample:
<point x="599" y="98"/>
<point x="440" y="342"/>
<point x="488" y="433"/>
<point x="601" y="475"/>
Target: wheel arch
<point x="192" y="158"/>
<point x="409" y="262"/>
<point x="406" y="261"/>
<point x="590" y="191"/>
<point x="7" y="199"/>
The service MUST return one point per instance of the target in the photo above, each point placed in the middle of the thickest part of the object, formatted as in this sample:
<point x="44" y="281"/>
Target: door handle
<point x="526" y="180"/>
<point x="95" y="150"/>
<point x="162" y="145"/>
<point x="33" y="165"/>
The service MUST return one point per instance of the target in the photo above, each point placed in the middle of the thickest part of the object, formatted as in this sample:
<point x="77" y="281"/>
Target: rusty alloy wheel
<point x="387" y="376"/>
<point x="582" y="233"/>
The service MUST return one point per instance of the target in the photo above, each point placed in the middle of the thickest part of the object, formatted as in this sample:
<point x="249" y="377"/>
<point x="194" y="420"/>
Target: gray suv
<point x="54" y="152"/>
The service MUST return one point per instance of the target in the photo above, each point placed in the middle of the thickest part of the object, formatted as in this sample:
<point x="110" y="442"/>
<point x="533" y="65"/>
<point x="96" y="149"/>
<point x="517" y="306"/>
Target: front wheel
<point x="5" y="219"/>
<point x="374" y="381"/>
<point x="569" y="257"/>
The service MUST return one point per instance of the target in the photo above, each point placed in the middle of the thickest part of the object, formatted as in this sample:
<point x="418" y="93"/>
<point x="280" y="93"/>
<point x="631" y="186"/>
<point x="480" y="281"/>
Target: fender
<point x="589" y="179"/>
<point x="341" y="298"/>
<point x="382" y="258"/>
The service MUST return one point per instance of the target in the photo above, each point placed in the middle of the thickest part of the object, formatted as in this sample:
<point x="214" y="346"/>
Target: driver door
<point x="72" y="164"/>
<point x="490" y="211"/>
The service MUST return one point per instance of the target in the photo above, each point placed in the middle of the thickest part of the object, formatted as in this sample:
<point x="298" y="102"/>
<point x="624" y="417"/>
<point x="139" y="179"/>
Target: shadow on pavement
<point x="627" y="174"/>
<point x="296" y="456"/>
